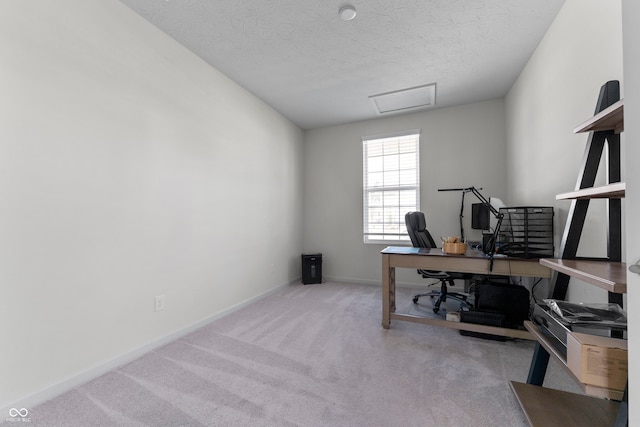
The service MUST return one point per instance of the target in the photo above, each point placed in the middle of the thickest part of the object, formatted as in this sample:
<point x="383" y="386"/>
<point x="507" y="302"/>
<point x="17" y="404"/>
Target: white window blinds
<point x="391" y="184"/>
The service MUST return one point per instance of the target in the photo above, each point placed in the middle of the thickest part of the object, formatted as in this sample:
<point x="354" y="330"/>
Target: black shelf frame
<point x="596" y="144"/>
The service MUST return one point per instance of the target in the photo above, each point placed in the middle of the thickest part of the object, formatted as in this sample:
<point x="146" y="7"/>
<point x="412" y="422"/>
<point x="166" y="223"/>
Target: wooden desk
<point x="473" y="261"/>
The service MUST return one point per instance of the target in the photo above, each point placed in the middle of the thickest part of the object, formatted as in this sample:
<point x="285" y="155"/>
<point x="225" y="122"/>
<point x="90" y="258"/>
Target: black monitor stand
<point x="490" y="247"/>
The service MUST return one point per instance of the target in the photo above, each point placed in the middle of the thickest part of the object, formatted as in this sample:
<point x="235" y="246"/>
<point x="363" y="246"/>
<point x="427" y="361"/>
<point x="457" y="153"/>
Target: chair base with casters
<point x="421" y="238"/>
<point x="442" y="295"/>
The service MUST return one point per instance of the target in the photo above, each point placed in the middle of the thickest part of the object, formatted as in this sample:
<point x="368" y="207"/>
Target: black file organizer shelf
<point x="527" y="232"/>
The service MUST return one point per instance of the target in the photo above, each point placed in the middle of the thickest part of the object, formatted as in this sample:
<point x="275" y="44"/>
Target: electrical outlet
<point x="159" y="302"/>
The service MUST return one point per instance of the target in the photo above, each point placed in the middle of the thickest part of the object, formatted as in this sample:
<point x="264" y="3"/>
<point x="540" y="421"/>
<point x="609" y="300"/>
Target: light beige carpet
<point x="313" y="355"/>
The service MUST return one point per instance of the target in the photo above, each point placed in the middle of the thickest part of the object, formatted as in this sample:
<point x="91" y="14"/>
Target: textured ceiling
<point x="317" y="70"/>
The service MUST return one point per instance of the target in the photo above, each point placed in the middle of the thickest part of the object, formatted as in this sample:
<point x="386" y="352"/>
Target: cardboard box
<point x="596" y="360"/>
<point x="453" y="316"/>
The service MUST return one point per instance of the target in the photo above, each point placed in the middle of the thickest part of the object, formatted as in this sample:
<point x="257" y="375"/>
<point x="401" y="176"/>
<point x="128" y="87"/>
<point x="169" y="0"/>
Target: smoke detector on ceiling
<point x="347" y="13"/>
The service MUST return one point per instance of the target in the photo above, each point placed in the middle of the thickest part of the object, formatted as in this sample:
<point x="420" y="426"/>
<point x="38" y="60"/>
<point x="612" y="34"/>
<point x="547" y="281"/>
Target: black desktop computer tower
<point x="311" y="269"/>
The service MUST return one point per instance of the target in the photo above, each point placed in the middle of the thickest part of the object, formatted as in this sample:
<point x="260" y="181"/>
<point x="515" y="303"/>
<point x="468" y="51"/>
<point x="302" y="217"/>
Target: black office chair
<point x="421" y="238"/>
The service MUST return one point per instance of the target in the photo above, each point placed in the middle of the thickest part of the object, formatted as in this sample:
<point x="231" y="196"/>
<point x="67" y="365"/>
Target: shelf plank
<point x="610" y="276"/>
<point x="611" y="118"/>
<point x="615" y="190"/>
<point x="462" y="326"/>
<point x="546" y="343"/>
<point x="548" y="407"/>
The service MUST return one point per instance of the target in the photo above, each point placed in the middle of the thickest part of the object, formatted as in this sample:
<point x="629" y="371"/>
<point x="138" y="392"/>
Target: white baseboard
<point x="350" y="280"/>
<point x="87" y="375"/>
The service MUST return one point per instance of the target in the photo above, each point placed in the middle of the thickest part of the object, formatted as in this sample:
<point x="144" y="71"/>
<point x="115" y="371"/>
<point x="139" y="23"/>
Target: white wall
<point x="557" y="91"/>
<point x="128" y="168"/>
<point x="460" y="147"/>
<point x="631" y="44"/>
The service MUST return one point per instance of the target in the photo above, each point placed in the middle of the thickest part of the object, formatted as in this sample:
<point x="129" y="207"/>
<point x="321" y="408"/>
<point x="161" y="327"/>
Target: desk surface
<point x="410" y="250"/>
<point x="473" y="261"/>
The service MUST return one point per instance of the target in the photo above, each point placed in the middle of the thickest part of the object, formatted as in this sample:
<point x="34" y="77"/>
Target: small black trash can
<point x="311" y="269"/>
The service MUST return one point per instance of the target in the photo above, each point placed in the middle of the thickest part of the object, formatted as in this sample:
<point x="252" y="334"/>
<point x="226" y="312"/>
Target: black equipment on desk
<point x="480" y="217"/>
<point x="490" y="248"/>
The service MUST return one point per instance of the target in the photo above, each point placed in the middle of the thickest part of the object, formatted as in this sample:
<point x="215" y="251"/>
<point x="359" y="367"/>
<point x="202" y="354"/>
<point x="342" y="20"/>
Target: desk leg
<point x="538" y="367"/>
<point x="392" y="289"/>
<point x="388" y="291"/>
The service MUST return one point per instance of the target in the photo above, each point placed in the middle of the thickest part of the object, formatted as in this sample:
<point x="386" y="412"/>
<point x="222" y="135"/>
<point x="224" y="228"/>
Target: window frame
<point x="371" y="236"/>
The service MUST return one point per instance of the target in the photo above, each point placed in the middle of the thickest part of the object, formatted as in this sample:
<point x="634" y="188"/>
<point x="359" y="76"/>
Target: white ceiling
<point x="317" y="70"/>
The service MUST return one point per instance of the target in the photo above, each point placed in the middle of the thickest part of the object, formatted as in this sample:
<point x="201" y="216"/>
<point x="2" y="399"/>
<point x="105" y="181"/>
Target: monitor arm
<point x="490" y="248"/>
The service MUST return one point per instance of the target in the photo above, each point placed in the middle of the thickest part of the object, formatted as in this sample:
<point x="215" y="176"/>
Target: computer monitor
<point x="480" y="216"/>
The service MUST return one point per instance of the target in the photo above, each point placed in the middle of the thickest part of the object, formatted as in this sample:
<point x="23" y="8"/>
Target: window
<point x="391" y="185"/>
